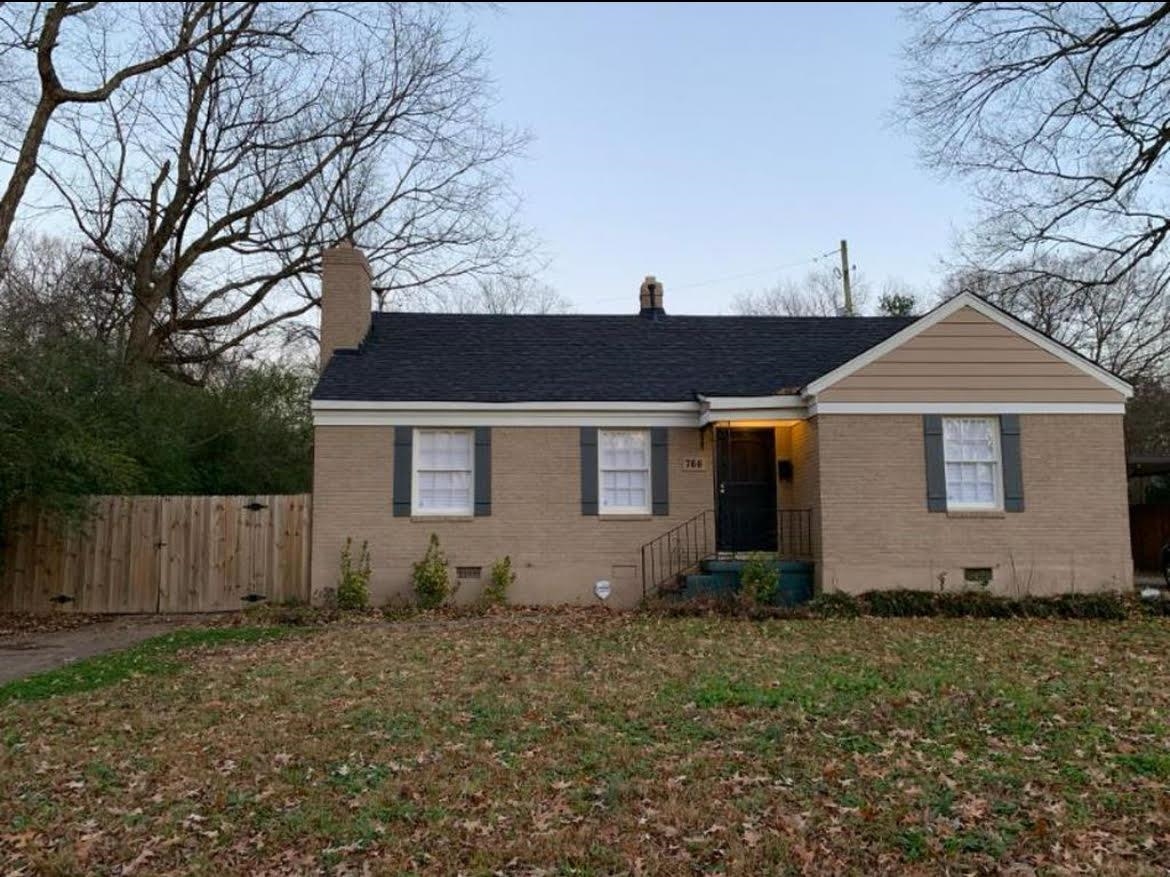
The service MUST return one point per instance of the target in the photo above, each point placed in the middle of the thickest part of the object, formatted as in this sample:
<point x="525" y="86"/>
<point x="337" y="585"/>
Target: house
<point x="962" y="447"/>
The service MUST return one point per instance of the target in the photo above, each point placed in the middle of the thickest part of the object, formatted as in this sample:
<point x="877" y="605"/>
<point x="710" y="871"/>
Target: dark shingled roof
<point x="494" y="358"/>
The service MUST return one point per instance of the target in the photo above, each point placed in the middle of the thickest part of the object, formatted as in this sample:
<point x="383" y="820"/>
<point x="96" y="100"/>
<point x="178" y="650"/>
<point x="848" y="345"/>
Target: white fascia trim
<point x="729" y="408"/>
<point x="752" y="401"/>
<point x="346" y="405"/>
<point x="940" y="313"/>
<point x="601" y="414"/>
<point x="966" y="408"/>
<point x="722" y="415"/>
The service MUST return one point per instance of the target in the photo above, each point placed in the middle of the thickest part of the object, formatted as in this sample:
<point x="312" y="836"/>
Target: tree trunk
<point x="25" y="166"/>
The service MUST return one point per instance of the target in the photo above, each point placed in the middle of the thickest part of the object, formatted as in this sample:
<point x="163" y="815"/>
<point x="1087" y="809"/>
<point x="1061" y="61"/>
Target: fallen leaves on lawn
<point x="589" y="741"/>
<point x="21" y="623"/>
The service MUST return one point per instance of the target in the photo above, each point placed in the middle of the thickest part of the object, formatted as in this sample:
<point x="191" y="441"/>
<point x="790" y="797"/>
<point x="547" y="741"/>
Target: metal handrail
<point x="684" y="547"/>
<point x="794" y="534"/>
<point x="678" y="550"/>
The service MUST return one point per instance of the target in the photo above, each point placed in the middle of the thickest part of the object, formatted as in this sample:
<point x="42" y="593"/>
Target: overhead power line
<point x="771" y="270"/>
<point x="833" y="252"/>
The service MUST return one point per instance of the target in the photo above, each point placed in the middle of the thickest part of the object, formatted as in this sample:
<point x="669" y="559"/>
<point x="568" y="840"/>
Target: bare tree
<point x="817" y="294"/>
<point x="501" y="294"/>
<point x="215" y="182"/>
<point x="51" y="288"/>
<point x="1123" y="325"/>
<point x="1059" y="115"/>
<point x="96" y="48"/>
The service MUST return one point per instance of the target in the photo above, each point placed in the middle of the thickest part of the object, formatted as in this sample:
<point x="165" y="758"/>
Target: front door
<point x="745" y="489"/>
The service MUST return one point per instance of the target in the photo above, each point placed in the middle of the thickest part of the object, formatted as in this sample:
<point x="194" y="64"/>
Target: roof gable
<point x="953" y="309"/>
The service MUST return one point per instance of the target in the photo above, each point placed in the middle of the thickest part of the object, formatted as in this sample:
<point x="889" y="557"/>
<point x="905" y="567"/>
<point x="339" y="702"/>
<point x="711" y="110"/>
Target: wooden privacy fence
<point x="1149" y="530"/>
<point x="158" y="554"/>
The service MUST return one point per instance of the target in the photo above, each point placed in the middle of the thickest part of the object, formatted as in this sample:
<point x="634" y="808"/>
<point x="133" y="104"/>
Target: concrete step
<point x="699" y="584"/>
<point x="796" y="579"/>
<point x="726" y="567"/>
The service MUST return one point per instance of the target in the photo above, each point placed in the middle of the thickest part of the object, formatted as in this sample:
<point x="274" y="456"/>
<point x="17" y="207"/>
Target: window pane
<point x="971" y="452"/>
<point x="624" y="463"/>
<point x="443" y="463"/>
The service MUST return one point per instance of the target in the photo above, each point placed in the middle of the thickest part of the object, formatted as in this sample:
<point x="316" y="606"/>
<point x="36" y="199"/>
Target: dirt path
<point x="23" y="654"/>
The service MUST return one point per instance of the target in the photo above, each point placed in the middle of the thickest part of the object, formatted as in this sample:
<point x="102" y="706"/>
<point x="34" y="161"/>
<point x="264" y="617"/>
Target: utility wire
<point x="746" y="274"/>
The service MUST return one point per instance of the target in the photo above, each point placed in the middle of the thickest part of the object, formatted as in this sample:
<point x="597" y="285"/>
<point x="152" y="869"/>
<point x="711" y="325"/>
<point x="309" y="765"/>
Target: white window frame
<point x="415" y="469"/>
<point x="602" y="508"/>
<point x="996" y="504"/>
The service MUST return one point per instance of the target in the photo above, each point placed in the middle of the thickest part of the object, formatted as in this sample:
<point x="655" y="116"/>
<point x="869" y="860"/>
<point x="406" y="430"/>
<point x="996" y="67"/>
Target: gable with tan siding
<point x="968" y="357"/>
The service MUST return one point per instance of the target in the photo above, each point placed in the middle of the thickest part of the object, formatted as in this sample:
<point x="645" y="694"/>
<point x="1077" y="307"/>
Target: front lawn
<point x="580" y="743"/>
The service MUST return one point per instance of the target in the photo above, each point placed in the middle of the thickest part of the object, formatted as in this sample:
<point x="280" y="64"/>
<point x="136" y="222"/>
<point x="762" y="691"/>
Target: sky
<point x="719" y="147"/>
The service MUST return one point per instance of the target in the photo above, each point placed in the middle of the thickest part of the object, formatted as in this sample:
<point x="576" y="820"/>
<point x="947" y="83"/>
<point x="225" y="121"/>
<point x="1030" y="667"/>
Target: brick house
<point x="957" y="447"/>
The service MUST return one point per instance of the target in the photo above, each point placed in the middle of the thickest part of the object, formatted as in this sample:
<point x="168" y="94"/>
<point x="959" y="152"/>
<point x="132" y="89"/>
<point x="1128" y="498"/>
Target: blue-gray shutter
<point x="660" y="470"/>
<point x="483" y="471"/>
<point x="588" y="470"/>
<point x="403" y="442"/>
<point x="1013" y="473"/>
<point x="936" y="470"/>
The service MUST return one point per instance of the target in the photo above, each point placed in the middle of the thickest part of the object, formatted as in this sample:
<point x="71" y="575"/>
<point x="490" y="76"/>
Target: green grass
<point x="597" y="743"/>
<point x="152" y="657"/>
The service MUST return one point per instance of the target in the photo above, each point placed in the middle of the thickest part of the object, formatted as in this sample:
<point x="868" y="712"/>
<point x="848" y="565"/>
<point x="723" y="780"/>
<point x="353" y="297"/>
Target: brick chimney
<point x="650" y="298"/>
<point x="345" y="299"/>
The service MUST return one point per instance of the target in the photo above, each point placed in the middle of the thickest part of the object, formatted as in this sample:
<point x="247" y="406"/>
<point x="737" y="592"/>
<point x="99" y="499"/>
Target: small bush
<point x="432" y="579"/>
<point x="502" y="577"/>
<point x="353" y="585"/>
<point x="900" y="603"/>
<point x="1157" y="608"/>
<point x="977" y="604"/>
<point x="834" y="604"/>
<point x="1106" y="606"/>
<point x="759" y="580"/>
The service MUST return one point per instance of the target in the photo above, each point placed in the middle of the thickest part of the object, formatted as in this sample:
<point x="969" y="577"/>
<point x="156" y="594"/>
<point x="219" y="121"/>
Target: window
<point x="443" y="482"/>
<point x="623" y="462"/>
<point x="977" y="576"/>
<point x="971" y="452"/>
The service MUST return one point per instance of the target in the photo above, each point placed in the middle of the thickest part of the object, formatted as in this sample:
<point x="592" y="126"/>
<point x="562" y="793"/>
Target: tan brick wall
<point x="806" y="483"/>
<point x="877" y="533"/>
<point x="536" y="515"/>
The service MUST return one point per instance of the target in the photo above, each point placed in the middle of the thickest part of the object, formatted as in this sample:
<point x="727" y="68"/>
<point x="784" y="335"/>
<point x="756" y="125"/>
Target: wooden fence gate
<point x="1149" y="530"/>
<point x="158" y="554"/>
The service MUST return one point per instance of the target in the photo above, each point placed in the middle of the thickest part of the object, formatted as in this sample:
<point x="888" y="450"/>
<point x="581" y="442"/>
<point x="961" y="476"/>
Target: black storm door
<point x="745" y="489"/>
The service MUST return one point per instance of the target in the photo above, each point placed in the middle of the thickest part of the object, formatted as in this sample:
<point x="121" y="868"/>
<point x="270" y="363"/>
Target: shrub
<point x="899" y="603"/>
<point x="432" y="579"/>
<point x="502" y="577"/>
<point x="1106" y="605"/>
<point x="353" y="585"/>
<point x="834" y="604"/>
<point x="977" y="604"/>
<point x="1156" y="608"/>
<point x="759" y="580"/>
